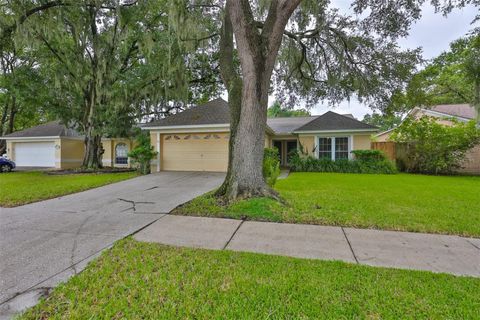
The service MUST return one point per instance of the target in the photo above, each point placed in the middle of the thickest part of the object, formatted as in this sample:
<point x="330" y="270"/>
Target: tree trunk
<point x="3" y="121"/>
<point x="93" y="151"/>
<point x="246" y="178"/>
<point x="92" y="158"/>
<point x="257" y="52"/>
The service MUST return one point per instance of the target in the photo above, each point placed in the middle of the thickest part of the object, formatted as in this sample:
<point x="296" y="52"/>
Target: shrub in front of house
<point x="143" y="153"/>
<point x="271" y="166"/>
<point x="435" y="148"/>
<point x="365" y="161"/>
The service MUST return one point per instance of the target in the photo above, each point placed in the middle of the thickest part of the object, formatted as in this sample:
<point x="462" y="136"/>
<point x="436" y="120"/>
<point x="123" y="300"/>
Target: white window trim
<point x="332" y="156"/>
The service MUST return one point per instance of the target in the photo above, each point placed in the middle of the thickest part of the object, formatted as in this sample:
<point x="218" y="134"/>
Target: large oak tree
<point x="301" y="51"/>
<point x="108" y="63"/>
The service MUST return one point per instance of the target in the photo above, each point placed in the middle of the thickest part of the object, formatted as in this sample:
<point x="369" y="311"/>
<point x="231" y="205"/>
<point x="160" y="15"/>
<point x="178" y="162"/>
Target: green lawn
<point x="435" y="204"/>
<point x="137" y="280"/>
<point x="19" y="188"/>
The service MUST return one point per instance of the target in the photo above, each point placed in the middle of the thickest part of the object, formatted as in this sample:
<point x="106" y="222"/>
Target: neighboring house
<point x="444" y="112"/>
<point x="53" y="145"/>
<point x="197" y="138"/>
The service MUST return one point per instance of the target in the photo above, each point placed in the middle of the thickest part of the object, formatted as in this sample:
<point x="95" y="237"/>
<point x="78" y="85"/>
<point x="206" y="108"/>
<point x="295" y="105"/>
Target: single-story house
<point x="197" y="138"/>
<point x="53" y="145"/>
<point x="444" y="113"/>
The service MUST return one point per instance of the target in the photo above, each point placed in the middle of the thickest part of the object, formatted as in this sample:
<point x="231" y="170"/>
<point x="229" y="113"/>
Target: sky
<point x="433" y="32"/>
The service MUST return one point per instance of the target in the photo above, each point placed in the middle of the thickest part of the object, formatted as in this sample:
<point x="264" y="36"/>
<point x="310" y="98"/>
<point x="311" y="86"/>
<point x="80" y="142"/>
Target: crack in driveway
<point x="75" y="244"/>
<point x="134" y="203"/>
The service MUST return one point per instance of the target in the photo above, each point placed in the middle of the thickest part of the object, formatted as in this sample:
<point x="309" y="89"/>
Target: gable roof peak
<point x="332" y="121"/>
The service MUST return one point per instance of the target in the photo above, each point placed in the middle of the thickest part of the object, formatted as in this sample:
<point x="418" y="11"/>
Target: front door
<point x="284" y="148"/>
<point x="291" y="146"/>
<point x="278" y="144"/>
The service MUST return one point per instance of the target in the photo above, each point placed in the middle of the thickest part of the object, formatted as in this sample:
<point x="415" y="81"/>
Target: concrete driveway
<point x="44" y="243"/>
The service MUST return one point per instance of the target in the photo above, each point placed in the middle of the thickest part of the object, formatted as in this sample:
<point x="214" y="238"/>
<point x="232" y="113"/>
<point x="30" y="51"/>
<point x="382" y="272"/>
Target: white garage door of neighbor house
<point x="35" y="154"/>
<point x="195" y="152"/>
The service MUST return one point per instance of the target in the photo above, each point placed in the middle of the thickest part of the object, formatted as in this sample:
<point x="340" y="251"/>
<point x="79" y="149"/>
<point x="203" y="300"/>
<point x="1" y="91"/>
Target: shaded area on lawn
<point x="150" y="281"/>
<point x="435" y="204"/>
<point x="19" y="188"/>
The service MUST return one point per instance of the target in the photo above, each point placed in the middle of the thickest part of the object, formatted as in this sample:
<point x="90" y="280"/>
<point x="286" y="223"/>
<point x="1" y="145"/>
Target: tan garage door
<point x="195" y="152"/>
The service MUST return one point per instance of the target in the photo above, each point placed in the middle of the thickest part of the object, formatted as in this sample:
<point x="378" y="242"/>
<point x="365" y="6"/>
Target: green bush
<point x="143" y="153"/>
<point x="271" y="166"/>
<point x="369" y="155"/>
<point x="435" y="148"/>
<point x="373" y="163"/>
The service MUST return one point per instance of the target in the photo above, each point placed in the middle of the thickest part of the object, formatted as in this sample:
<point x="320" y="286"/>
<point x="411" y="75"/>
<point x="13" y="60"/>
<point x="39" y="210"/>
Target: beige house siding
<point x="109" y="144"/>
<point x="9" y="150"/>
<point x="308" y="143"/>
<point x="71" y="153"/>
<point x="154" y="163"/>
<point x="362" y="142"/>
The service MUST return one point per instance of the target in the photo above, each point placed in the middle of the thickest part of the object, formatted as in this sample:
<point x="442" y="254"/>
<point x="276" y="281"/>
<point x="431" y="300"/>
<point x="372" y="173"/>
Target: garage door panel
<point x="34" y="154"/>
<point x="187" y="154"/>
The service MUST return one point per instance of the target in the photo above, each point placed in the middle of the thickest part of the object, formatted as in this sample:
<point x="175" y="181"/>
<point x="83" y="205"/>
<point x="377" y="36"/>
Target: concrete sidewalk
<point x="404" y="250"/>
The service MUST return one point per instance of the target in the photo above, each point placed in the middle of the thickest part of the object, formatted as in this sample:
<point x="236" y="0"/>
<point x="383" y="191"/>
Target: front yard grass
<point x="435" y="204"/>
<point x="17" y="188"/>
<point x="137" y="280"/>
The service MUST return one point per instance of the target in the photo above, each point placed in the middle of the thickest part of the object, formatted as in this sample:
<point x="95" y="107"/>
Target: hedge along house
<point x="53" y="145"/>
<point x="197" y="138"/>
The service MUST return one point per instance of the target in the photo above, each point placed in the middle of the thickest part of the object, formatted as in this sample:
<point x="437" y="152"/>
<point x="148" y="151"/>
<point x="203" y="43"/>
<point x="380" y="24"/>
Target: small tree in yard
<point x="143" y="153"/>
<point x="435" y="148"/>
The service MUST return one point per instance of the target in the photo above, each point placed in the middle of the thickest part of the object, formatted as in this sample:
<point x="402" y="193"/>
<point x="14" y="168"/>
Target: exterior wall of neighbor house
<point x="471" y="164"/>
<point x="71" y="153"/>
<point x="384" y="137"/>
<point x="9" y="149"/>
<point x="58" y="152"/>
<point x="109" y="144"/>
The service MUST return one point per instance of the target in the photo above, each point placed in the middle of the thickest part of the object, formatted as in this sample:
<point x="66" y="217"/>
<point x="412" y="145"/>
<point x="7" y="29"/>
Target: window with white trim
<point x="341" y="148"/>
<point x="333" y="148"/>
<point x="325" y="148"/>
<point x="121" y="153"/>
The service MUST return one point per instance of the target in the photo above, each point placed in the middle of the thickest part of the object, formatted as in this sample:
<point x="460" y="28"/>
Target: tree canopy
<point x="108" y="64"/>
<point x="452" y="77"/>
<point x="276" y="110"/>
<point x="383" y="121"/>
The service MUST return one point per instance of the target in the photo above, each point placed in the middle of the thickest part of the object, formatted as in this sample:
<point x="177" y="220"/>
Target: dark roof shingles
<point x="334" y="121"/>
<point x="459" y="110"/>
<point x="212" y="112"/>
<point x="49" y="129"/>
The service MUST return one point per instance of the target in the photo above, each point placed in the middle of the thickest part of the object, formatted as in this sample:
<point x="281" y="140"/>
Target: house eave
<point x="31" y="138"/>
<point x="336" y="131"/>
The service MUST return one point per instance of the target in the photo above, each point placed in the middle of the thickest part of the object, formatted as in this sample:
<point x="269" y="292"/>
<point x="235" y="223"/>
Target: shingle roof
<point x="217" y="112"/>
<point x="459" y="110"/>
<point x="212" y="112"/>
<point x="334" y="121"/>
<point x="289" y="124"/>
<point x="49" y="129"/>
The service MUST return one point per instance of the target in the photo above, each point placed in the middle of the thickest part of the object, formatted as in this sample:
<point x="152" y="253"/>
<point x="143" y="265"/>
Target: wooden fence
<point x="388" y="147"/>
